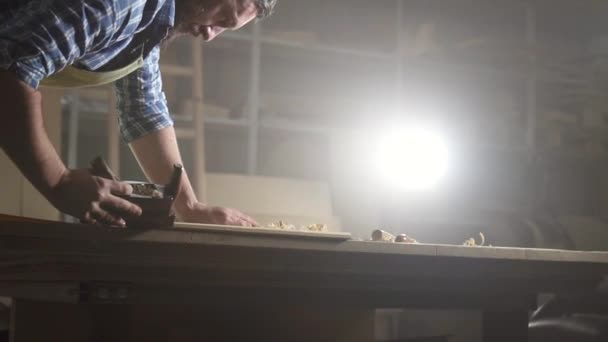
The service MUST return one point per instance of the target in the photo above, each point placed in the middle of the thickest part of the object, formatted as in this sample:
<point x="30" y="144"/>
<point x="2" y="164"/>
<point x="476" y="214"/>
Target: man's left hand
<point x="200" y="213"/>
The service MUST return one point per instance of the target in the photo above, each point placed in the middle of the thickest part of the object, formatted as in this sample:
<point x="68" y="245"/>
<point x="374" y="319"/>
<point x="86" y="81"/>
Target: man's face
<point x="209" y="18"/>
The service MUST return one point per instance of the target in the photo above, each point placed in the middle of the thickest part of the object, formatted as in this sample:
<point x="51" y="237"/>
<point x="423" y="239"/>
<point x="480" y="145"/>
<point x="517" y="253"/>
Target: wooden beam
<point x="254" y="101"/>
<point x="113" y="134"/>
<point x="184" y="133"/>
<point x="199" y="129"/>
<point x="177" y="70"/>
<point x="531" y="82"/>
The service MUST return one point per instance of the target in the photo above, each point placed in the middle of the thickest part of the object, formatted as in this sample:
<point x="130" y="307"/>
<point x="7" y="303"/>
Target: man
<point x="91" y="42"/>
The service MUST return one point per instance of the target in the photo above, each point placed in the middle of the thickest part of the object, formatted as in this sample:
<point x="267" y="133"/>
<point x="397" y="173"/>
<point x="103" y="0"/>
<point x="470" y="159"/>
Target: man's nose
<point x="230" y="22"/>
<point x="216" y="32"/>
<point x="230" y="18"/>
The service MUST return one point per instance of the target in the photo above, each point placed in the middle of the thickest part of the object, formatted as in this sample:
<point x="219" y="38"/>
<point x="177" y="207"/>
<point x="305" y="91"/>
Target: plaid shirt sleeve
<point x="142" y="105"/>
<point x="42" y="37"/>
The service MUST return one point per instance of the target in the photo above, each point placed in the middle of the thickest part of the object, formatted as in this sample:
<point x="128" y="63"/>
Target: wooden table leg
<point x="34" y="321"/>
<point x="187" y="323"/>
<point x="505" y="326"/>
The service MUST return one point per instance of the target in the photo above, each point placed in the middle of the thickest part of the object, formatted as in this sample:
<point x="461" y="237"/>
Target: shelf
<point x="236" y="36"/>
<point x="184" y="133"/>
<point x="407" y="60"/>
<point x="292" y="59"/>
<point x="285" y="126"/>
<point x="519" y="71"/>
<point x="226" y="122"/>
<point x="311" y="47"/>
<point x="326" y="48"/>
<point x="291" y="126"/>
<point x="188" y="133"/>
<point x="176" y="70"/>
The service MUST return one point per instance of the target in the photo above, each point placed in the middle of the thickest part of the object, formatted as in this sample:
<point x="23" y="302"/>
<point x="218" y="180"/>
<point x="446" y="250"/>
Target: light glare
<point x="412" y="159"/>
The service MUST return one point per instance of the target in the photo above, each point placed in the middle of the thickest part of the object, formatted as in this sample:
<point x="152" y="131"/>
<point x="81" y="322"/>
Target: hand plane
<point x="155" y="200"/>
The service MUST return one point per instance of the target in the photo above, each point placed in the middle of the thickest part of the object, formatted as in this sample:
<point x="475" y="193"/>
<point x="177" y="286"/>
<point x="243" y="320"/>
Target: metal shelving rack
<point x="259" y="41"/>
<point x="252" y="123"/>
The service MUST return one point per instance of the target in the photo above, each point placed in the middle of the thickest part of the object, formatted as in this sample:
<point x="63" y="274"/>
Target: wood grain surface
<point x="37" y="254"/>
<point x="48" y="264"/>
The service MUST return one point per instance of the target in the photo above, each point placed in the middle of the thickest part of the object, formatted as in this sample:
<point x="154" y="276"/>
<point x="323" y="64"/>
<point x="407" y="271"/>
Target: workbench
<point x="74" y="282"/>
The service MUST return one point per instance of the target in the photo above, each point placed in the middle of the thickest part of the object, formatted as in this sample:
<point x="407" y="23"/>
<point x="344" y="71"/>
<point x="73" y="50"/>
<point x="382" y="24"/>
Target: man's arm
<point x="146" y="125"/>
<point x="156" y="153"/>
<point x="23" y="136"/>
<point x="35" y="42"/>
<point x="24" y="139"/>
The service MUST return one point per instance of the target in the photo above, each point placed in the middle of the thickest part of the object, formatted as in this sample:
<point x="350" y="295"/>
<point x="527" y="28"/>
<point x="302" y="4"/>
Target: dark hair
<point x="265" y="7"/>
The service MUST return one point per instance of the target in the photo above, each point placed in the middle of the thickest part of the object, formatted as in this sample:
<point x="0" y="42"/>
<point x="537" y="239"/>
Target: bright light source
<point x="411" y="159"/>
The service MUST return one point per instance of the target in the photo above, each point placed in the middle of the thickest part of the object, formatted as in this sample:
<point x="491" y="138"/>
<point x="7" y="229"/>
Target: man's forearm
<point x="23" y="136"/>
<point x="156" y="153"/>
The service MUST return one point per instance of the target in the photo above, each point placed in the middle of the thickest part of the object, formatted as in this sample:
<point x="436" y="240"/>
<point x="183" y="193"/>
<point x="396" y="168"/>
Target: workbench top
<point x="40" y="253"/>
<point x="53" y="262"/>
<point x="227" y="236"/>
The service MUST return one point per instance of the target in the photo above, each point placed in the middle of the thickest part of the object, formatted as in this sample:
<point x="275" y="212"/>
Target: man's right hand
<point x="24" y="139"/>
<point x="93" y="199"/>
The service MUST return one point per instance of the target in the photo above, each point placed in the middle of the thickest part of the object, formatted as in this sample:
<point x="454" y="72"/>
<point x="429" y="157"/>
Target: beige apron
<point x="72" y="77"/>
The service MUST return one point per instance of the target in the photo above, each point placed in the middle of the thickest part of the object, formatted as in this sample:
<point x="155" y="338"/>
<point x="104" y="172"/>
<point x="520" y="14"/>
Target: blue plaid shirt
<point x="41" y="37"/>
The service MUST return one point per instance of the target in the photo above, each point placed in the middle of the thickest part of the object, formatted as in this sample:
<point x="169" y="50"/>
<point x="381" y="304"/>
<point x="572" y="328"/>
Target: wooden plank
<point x="264" y="231"/>
<point x="15" y="227"/>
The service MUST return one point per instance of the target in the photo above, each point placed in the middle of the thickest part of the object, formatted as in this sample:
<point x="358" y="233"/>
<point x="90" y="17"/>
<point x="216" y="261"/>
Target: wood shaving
<point x="472" y="243"/>
<point x="146" y="189"/>
<point x="381" y="235"/>
<point x="317" y="227"/>
<point x="314" y="227"/>
<point x="281" y="225"/>
<point x="402" y="238"/>
<point x="384" y="236"/>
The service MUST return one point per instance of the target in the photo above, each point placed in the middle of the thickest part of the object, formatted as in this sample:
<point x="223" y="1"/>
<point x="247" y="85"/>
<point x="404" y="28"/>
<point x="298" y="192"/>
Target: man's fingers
<point x="241" y="223"/>
<point x="104" y="217"/>
<point x="232" y="217"/>
<point x="247" y="220"/>
<point x="120" y="188"/>
<point x="244" y="221"/>
<point x="88" y="218"/>
<point x="122" y="206"/>
<point x="250" y="221"/>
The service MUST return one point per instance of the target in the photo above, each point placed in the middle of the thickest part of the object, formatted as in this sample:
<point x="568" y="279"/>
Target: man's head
<point x="209" y="18"/>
